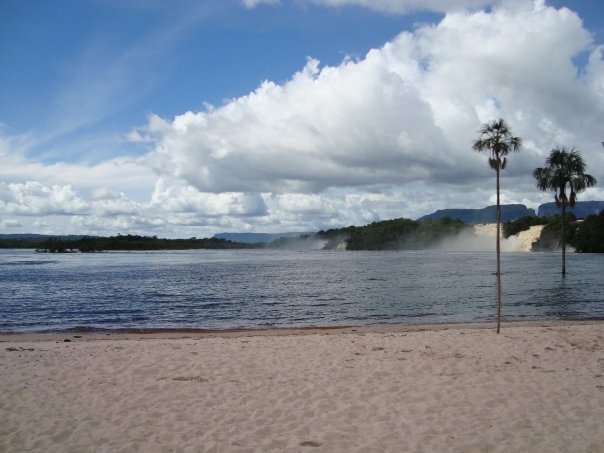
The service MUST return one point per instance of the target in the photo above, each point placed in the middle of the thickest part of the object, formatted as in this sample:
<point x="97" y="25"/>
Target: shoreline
<point x="167" y="333"/>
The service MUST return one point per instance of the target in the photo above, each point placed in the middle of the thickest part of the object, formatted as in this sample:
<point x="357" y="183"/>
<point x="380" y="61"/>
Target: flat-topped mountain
<point x="581" y="210"/>
<point x="509" y="212"/>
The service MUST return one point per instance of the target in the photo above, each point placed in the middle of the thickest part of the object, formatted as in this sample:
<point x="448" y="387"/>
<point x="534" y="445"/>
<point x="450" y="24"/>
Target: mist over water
<point x="302" y="243"/>
<point x="218" y="289"/>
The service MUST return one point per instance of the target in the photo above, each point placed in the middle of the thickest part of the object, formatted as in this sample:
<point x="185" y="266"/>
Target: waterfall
<point x="525" y="239"/>
<point x="522" y="242"/>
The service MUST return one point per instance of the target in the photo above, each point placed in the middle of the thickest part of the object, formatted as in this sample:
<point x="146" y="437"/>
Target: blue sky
<point x="190" y="118"/>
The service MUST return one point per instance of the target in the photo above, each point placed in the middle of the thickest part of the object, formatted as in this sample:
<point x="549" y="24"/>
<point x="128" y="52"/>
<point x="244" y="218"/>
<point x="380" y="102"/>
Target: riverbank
<point x="389" y="388"/>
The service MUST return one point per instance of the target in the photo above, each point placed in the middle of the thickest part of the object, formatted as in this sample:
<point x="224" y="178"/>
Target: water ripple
<point x="230" y="289"/>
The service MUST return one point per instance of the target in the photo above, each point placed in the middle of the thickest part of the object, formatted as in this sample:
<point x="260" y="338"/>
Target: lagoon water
<point x="216" y="289"/>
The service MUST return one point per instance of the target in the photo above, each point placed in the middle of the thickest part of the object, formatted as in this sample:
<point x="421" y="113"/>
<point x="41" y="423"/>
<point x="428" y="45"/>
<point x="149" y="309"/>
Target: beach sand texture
<point x="454" y="389"/>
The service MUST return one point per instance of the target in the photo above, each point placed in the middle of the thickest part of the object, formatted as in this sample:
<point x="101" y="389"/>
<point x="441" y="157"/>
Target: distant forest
<point x="86" y="244"/>
<point x="397" y="234"/>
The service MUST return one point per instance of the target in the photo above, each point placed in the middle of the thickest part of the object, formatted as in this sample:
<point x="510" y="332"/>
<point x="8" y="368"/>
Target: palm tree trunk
<point x="563" y="239"/>
<point x="498" y="250"/>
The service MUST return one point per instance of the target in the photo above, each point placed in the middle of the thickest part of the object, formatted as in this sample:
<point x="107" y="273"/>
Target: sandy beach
<point x="533" y="388"/>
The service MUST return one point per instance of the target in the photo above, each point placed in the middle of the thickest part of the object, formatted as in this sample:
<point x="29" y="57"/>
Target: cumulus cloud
<point x="33" y="198"/>
<point x="403" y="114"/>
<point x="187" y="199"/>
<point x="357" y="124"/>
<point x="173" y="208"/>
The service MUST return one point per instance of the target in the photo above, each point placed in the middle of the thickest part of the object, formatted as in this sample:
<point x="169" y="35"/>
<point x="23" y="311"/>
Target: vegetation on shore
<point x="86" y="244"/>
<point x="397" y="234"/>
<point x="589" y="237"/>
<point x="551" y="235"/>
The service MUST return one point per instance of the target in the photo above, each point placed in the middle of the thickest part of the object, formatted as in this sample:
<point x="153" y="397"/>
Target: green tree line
<point x="396" y="234"/>
<point x="88" y="244"/>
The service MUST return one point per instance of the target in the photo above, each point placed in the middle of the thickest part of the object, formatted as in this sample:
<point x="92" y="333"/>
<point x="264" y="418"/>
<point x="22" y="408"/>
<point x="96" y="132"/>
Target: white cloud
<point x="133" y="173"/>
<point x="173" y="209"/>
<point x="175" y="198"/>
<point x="405" y="113"/>
<point x="357" y="124"/>
<point x="34" y="199"/>
<point x="10" y="223"/>
<point x="134" y="137"/>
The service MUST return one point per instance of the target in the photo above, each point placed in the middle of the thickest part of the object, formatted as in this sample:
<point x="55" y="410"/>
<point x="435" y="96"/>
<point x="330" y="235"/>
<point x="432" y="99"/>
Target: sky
<point x="190" y="118"/>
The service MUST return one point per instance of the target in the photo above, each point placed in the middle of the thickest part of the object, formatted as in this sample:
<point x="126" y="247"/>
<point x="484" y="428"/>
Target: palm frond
<point x="496" y="138"/>
<point x="563" y="168"/>
<point x="494" y="163"/>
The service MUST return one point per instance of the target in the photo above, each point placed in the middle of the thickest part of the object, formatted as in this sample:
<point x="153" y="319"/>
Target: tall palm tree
<point x="564" y="168"/>
<point x="496" y="138"/>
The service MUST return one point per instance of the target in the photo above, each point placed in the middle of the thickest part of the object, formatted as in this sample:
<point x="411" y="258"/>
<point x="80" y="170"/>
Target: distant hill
<point x="41" y="237"/>
<point x="255" y="238"/>
<point x="509" y="212"/>
<point x="24" y="236"/>
<point x="581" y="210"/>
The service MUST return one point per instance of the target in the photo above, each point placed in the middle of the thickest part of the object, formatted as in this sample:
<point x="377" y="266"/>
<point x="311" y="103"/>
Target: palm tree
<point x="496" y="138"/>
<point x="564" y="168"/>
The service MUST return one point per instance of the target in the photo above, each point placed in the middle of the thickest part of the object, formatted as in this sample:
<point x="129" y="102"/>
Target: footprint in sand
<point x="310" y="443"/>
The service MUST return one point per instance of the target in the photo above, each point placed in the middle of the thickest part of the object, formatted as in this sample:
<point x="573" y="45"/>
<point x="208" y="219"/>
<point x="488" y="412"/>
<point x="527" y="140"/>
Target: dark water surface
<point x="262" y="288"/>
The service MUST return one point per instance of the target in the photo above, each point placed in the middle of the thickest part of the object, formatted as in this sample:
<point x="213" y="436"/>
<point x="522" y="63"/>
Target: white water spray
<point x="481" y="239"/>
<point x="522" y="242"/>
